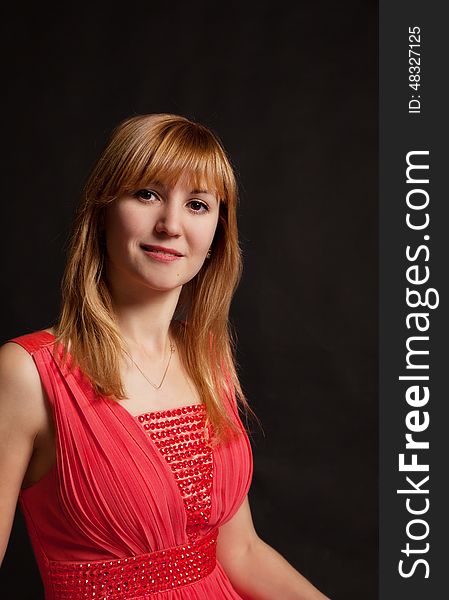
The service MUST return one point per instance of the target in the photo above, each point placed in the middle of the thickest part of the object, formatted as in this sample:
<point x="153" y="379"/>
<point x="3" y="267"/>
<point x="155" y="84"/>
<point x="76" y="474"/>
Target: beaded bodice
<point x="180" y="434"/>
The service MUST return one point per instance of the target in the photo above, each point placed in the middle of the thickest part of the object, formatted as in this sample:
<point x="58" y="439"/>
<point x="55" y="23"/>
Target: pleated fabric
<point x="111" y="493"/>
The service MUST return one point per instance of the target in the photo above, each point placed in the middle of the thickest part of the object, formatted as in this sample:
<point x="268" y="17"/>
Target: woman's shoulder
<point x="16" y="358"/>
<point x="21" y="393"/>
<point x="19" y="377"/>
<point x="31" y="342"/>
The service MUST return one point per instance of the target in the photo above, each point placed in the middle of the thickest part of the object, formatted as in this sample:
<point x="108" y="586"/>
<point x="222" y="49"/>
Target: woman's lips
<point x="161" y="254"/>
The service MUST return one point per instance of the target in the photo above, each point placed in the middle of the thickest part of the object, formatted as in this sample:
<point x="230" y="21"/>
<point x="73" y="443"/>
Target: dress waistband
<point x="134" y="576"/>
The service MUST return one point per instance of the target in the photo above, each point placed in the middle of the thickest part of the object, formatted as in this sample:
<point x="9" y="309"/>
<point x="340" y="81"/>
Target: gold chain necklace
<point x="156" y="387"/>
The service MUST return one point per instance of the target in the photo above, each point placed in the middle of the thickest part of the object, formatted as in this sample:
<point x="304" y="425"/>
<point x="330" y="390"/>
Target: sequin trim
<point x="131" y="577"/>
<point x="179" y="434"/>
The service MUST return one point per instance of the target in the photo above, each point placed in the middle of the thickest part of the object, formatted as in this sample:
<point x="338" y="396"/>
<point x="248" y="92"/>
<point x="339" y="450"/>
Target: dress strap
<point x="32" y="342"/>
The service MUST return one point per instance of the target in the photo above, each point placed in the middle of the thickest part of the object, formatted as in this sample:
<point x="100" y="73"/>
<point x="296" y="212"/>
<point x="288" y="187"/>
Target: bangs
<point x="178" y="151"/>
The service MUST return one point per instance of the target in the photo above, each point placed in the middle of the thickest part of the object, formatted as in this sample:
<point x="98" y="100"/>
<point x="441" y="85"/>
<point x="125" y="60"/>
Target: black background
<point x="291" y="89"/>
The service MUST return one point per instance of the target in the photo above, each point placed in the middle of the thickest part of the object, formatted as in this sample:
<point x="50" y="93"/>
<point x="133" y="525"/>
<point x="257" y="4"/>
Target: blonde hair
<point x="144" y="148"/>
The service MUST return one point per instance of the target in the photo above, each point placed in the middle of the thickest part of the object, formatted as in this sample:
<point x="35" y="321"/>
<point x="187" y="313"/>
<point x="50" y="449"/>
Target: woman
<point x="121" y="435"/>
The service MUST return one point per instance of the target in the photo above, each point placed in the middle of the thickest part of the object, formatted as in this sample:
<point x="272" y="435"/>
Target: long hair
<point x="141" y="149"/>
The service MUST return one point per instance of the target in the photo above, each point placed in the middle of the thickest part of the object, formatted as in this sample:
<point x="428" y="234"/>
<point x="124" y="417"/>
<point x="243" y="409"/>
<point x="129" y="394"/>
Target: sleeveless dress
<point x="132" y="507"/>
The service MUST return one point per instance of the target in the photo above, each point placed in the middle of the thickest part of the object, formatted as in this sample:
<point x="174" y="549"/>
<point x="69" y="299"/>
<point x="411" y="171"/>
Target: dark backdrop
<point x="291" y="89"/>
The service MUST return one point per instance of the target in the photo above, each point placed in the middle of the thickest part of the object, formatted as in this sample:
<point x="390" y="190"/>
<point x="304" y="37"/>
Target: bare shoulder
<point x="22" y="419"/>
<point x="21" y="393"/>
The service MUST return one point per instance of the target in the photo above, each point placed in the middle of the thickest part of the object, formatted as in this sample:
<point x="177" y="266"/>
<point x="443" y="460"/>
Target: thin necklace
<point x="156" y="387"/>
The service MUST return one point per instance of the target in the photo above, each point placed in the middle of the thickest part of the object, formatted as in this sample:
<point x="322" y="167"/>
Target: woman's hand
<point x="254" y="568"/>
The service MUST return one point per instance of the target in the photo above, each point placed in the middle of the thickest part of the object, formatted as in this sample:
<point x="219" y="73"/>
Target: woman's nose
<point x="169" y="219"/>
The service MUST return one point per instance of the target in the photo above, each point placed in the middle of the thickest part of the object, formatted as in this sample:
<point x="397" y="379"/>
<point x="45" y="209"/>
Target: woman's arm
<point x="21" y="415"/>
<point x="254" y="568"/>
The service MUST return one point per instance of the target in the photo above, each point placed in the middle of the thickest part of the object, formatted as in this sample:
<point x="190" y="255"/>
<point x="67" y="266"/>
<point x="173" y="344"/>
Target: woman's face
<point x="158" y="236"/>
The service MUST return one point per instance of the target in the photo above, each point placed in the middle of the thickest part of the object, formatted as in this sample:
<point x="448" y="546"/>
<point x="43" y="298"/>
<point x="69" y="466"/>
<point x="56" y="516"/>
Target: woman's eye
<point x="145" y="195"/>
<point x="198" y="206"/>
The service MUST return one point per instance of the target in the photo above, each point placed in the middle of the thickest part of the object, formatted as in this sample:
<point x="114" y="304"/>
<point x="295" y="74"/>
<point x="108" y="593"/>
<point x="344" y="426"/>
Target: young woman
<point x="119" y="427"/>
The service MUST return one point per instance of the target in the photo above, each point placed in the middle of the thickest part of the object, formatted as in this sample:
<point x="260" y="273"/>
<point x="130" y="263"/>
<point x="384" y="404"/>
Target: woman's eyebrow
<point x="156" y="183"/>
<point x="197" y="191"/>
<point x="201" y="191"/>
<point x="161" y="184"/>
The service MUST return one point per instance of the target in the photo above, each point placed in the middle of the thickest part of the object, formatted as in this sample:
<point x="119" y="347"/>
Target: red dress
<point x="133" y="505"/>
